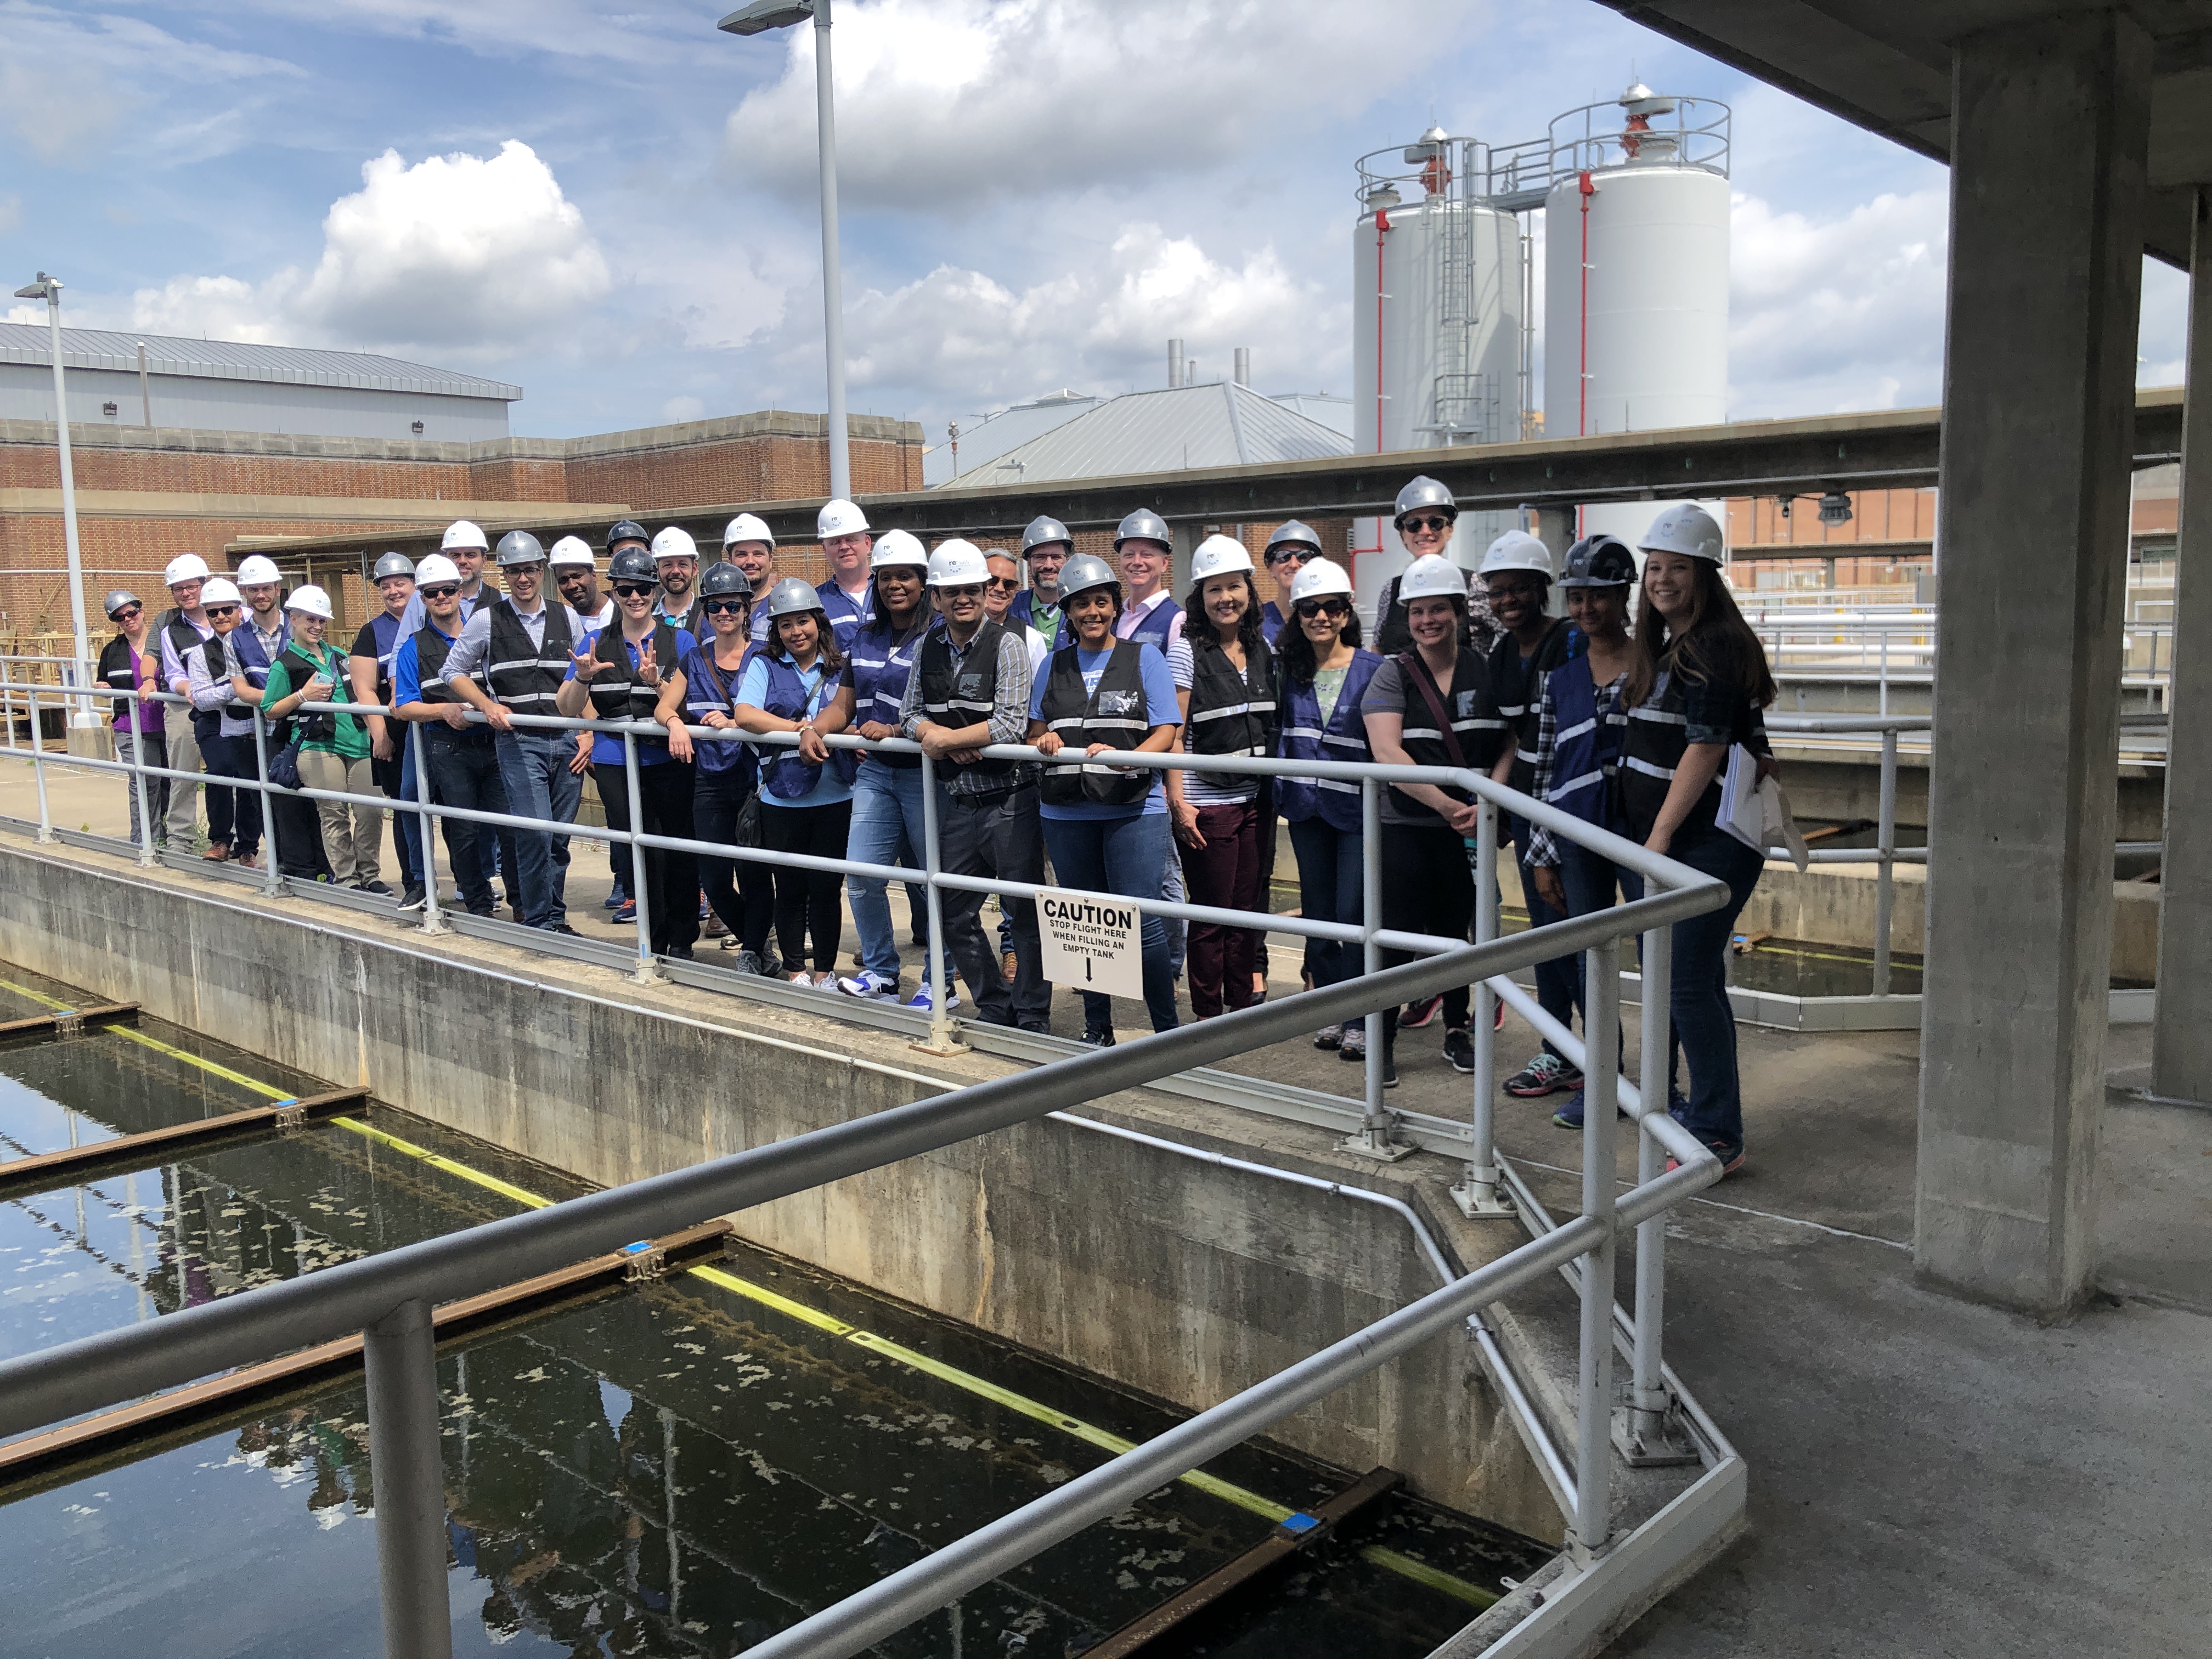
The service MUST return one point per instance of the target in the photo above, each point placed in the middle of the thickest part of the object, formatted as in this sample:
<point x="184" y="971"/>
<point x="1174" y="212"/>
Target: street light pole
<point x="50" y="290"/>
<point x="757" y="18"/>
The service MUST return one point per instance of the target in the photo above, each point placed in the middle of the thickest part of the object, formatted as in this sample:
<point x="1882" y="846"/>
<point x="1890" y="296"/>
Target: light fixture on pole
<point x="757" y="19"/>
<point x="1835" y="507"/>
<point x="49" y="288"/>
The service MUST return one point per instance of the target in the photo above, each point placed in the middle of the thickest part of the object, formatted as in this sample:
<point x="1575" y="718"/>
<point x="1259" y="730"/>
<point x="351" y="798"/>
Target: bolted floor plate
<point x="1646" y="1447"/>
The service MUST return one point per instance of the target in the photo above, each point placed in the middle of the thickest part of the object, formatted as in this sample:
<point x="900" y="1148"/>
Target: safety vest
<point x="1153" y="631"/>
<point x="881" y="662"/>
<point x="846" y="616"/>
<point x="1588" y="733"/>
<point x="385" y="630"/>
<point x="1476" y="726"/>
<point x="1658" y="736"/>
<point x="115" y="669"/>
<point x="1517" y="684"/>
<point x="1335" y="801"/>
<point x="226" y="655"/>
<point x="183" y="639"/>
<point x="307" y="728"/>
<point x="1113" y="714"/>
<point x="707" y="689"/>
<point x="965" y="695"/>
<point x="1271" y="622"/>
<point x="783" y="773"/>
<point x="523" y="677"/>
<point x="691" y="621"/>
<point x="431" y="649"/>
<point x="1023" y="611"/>
<point x="1231" y="713"/>
<point x="619" y="694"/>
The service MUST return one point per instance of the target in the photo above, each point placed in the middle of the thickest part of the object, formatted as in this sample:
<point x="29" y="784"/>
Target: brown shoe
<point x="218" y="852"/>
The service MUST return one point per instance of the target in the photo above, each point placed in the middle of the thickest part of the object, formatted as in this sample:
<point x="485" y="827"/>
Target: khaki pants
<point x="184" y="811"/>
<point x="353" y="835"/>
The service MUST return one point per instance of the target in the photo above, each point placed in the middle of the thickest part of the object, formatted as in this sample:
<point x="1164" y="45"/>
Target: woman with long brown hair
<point x="1696" y="679"/>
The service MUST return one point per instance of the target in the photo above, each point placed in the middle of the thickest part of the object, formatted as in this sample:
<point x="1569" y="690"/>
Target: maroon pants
<point x="1229" y="873"/>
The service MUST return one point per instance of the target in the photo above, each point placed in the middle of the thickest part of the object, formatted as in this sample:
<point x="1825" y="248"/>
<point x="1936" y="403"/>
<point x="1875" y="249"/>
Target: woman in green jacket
<point x="334" y="749"/>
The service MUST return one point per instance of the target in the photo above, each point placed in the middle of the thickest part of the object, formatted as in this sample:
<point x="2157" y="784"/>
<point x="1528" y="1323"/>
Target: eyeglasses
<point x="442" y="591"/>
<point x="1305" y="608"/>
<point x="1286" y="556"/>
<point x="222" y="610"/>
<point x="130" y="613"/>
<point x="965" y="591"/>
<point x="636" y="590"/>
<point x="1428" y="522"/>
<point x="1011" y="584"/>
<point x="725" y="607"/>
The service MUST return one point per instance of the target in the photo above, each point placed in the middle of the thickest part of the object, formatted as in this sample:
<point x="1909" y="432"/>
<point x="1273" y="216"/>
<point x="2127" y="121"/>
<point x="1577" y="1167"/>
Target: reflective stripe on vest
<point x="1343" y="736"/>
<point x="1231" y="713"/>
<point x="1113" y="712"/>
<point x="965" y="695"/>
<point x="1586" y="746"/>
<point x="521" y="675"/>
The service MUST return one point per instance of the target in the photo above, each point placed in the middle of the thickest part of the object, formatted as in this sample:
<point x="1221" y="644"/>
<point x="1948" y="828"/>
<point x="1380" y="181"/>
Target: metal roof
<point x="234" y="360"/>
<point x="987" y="440"/>
<point x="1223" y="424"/>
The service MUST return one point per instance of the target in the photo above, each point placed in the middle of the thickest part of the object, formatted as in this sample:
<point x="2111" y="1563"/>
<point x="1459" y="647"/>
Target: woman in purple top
<point x="131" y="661"/>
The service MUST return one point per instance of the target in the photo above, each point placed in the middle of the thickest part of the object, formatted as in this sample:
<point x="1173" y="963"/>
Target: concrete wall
<point x="1177" y="1278"/>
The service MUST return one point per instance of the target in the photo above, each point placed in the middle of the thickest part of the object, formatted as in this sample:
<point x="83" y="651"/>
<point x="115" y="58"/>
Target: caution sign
<point x="1091" y="943"/>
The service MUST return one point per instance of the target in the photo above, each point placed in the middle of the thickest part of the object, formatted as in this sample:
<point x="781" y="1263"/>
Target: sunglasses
<point x="1286" y="556"/>
<point x="1305" y="608"/>
<point x="965" y="591"/>
<point x="222" y="610"/>
<point x="1013" y="585"/>
<point x="726" y="607"/>
<point x="130" y="613"/>
<point x="636" y="590"/>
<point x="1429" y="521"/>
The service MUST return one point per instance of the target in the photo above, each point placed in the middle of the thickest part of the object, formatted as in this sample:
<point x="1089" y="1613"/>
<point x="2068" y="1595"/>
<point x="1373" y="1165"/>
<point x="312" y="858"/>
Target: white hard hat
<point x="839" y="519"/>
<point x="1688" y="529"/>
<point x="1432" y="576"/>
<point x="436" y="568"/>
<point x="746" y="528"/>
<point x="569" y="549"/>
<point x="219" y="590"/>
<point x="310" y="599"/>
<point x="675" y="543"/>
<point x="897" y="547"/>
<point x="257" y="570"/>
<point x="462" y="533"/>
<point x="186" y="568"/>
<point x="1317" y="579"/>
<point x="1218" y="556"/>
<point x="1516" y="550"/>
<point x="958" y="563"/>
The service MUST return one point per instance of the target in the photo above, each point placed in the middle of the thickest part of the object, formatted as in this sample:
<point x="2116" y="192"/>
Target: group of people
<point x="966" y="654"/>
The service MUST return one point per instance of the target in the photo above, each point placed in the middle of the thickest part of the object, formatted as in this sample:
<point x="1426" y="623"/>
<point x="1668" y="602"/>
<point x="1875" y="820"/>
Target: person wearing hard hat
<point x="464" y="546"/>
<point x="806" y="789"/>
<point x="1224" y="680"/>
<point x="220" y="688"/>
<point x="369" y="669"/>
<point x="1425" y="515"/>
<point x="842" y="530"/>
<point x="676" y="556"/>
<point x="260" y="584"/>
<point x="1145" y="554"/>
<point x="1107" y="827"/>
<point x="970" y="689"/>
<point x="1324" y="675"/>
<point x="131" y="661"/>
<point x="1290" y="545"/>
<point x="1046" y="546"/>
<point x="457" y="755"/>
<point x="1697" y="681"/>
<point x="576" y="578"/>
<point x="887" y="805"/>
<point x="295" y="839"/>
<point x="334" y="749"/>
<point x="748" y="544"/>
<point x="522" y="646"/>
<point x="1431" y="706"/>
<point x="617" y="675"/>
<point x="183" y="627"/>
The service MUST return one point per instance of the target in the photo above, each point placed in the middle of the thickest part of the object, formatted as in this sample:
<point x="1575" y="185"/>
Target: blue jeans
<point x="397" y="779"/>
<point x="1704" y="1024"/>
<point x="886" y="823"/>
<point x="533" y="768"/>
<point x="1559" y="980"/>
<point x="1330" y="889"/>
<point x="1127" y="856"/>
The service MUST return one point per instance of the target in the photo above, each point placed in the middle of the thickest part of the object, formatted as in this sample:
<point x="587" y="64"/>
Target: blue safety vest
<point x="705" y="688"/>
<point x="1586" y="747"/>
<point x="846" y="617"/>
<point x="1334" y="801"/>
<point x="881" y="662"/>
<point x="1023" y="611"/>
<point x="1271" y="622"/>
<point x="783" y="774"/>
<point x="1153" y="631"/>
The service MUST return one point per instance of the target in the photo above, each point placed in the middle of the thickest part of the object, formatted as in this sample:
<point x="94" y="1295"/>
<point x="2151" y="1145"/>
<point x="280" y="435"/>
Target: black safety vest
<point x="1658" y="736"/>
<point x="223" y="659"/>
<point x="1113" y="714"/>
<point x="308" y="728"/>
<point x="115" y="669"/>
<point x="965" y="697"/>
<point x="621" y="694"/>
<point x="523" y="677"/>
<point x="430" y="651"/>
<point x="1477" y="727"/>
<point x="1231" y="713"/>
<point x="180" y="634"/>
<point x="1517" y="685"/>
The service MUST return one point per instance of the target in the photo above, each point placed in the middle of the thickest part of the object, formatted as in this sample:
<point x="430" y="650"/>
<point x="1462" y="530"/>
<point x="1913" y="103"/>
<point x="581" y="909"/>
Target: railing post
<point x="944" y="1035"/>
<point x="1885" y="891"/>
<point x="135" y="714"/>
<point x="647" y="973"/>
<point x="1592" y="1519"/>
<point x="1374" y="1138"/>
<point x="1885" y="670"/>
<point x="39" y="766"/>
<point x="1477" y="1193"/>
<point x="273" y="873"/>
<point x="401" y="1357"/>
<point x="427" y="819"/>
<point x="1650" y="1435"/>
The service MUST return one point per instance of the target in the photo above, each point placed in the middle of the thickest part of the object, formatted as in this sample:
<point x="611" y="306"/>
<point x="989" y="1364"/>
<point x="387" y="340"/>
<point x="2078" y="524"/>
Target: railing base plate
<point x="1648" y="1440"/>
<point x="1365" y="1145"/>
<point x="1478" y="1201"/>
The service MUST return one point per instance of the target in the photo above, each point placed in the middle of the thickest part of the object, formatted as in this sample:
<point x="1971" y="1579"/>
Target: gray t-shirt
<point x="1388" y="694"/>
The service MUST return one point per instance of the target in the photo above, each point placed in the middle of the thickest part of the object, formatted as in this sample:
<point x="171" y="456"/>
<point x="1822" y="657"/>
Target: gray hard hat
<point x="392" y="564"/>
<point x="791" y="597"/>
<point x="1600" y="561"/>
<point x="1294" y="533"/>
<point x="1085" y="572"/>
<point x="1043" y="532"/>
<point x="520" y="547"/>
<point x="1142" y="526"/>
<point x="116" y="600"/>
<point x="1424" y="492"/>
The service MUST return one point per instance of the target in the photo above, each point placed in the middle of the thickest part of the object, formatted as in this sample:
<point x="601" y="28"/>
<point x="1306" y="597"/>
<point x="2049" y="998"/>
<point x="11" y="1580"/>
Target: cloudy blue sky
<point x="616" y="207"/>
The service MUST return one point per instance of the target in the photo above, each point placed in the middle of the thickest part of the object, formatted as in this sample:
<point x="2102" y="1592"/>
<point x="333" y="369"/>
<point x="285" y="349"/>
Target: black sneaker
<point x="1329" y="1036"/>
<point x="1036" y="1027"/>
<point x="1096" y="1039"/>
<point x="563" y="927"/>
<point x="1546" y="1074"/>
<point x="1459" y="1049"/>
<point x="1389" y="1071"/>
<point x="376" y="887"/>
<point x="415" y="897"/>
<point x="678" y="953"/>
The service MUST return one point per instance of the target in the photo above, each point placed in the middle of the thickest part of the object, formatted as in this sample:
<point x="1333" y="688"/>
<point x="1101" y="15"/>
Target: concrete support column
<point x="2050" y="128"/>
<point x="2181" y="1042"/>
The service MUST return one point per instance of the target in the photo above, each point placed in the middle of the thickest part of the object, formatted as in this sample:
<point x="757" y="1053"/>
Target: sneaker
<point x="749" y="962"/>
<point x="1415" y="1015"/>
<point x="1036" y="1027"/>
<point x="1389" y="1071"/>
<point x="1351" y="1042"/>
<point x="1569" y="1116"/>
<point x="869" y="987"/>
<point x="919" y="1000"/>
<point x="415" y="897"/>
<point x="1546" y="1074"/>
<point x="1103" y="1038"/>
<point x="730" y="941"/>
<point x="1459" y="1049"/>
<point x="563" y="927"/>
<point x="375" y="887"/>
<point x="678" y="953"/>
<point x="1731" y="1158"/>
<point x="1329" y="1036"/>
<point x="615" y="899"/>
<point x="626" y="915"/>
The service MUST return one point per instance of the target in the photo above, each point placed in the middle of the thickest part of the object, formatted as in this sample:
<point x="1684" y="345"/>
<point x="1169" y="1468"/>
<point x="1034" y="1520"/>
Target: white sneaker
<point x="870" y="986"/>
<point x="919" y="1000"/>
